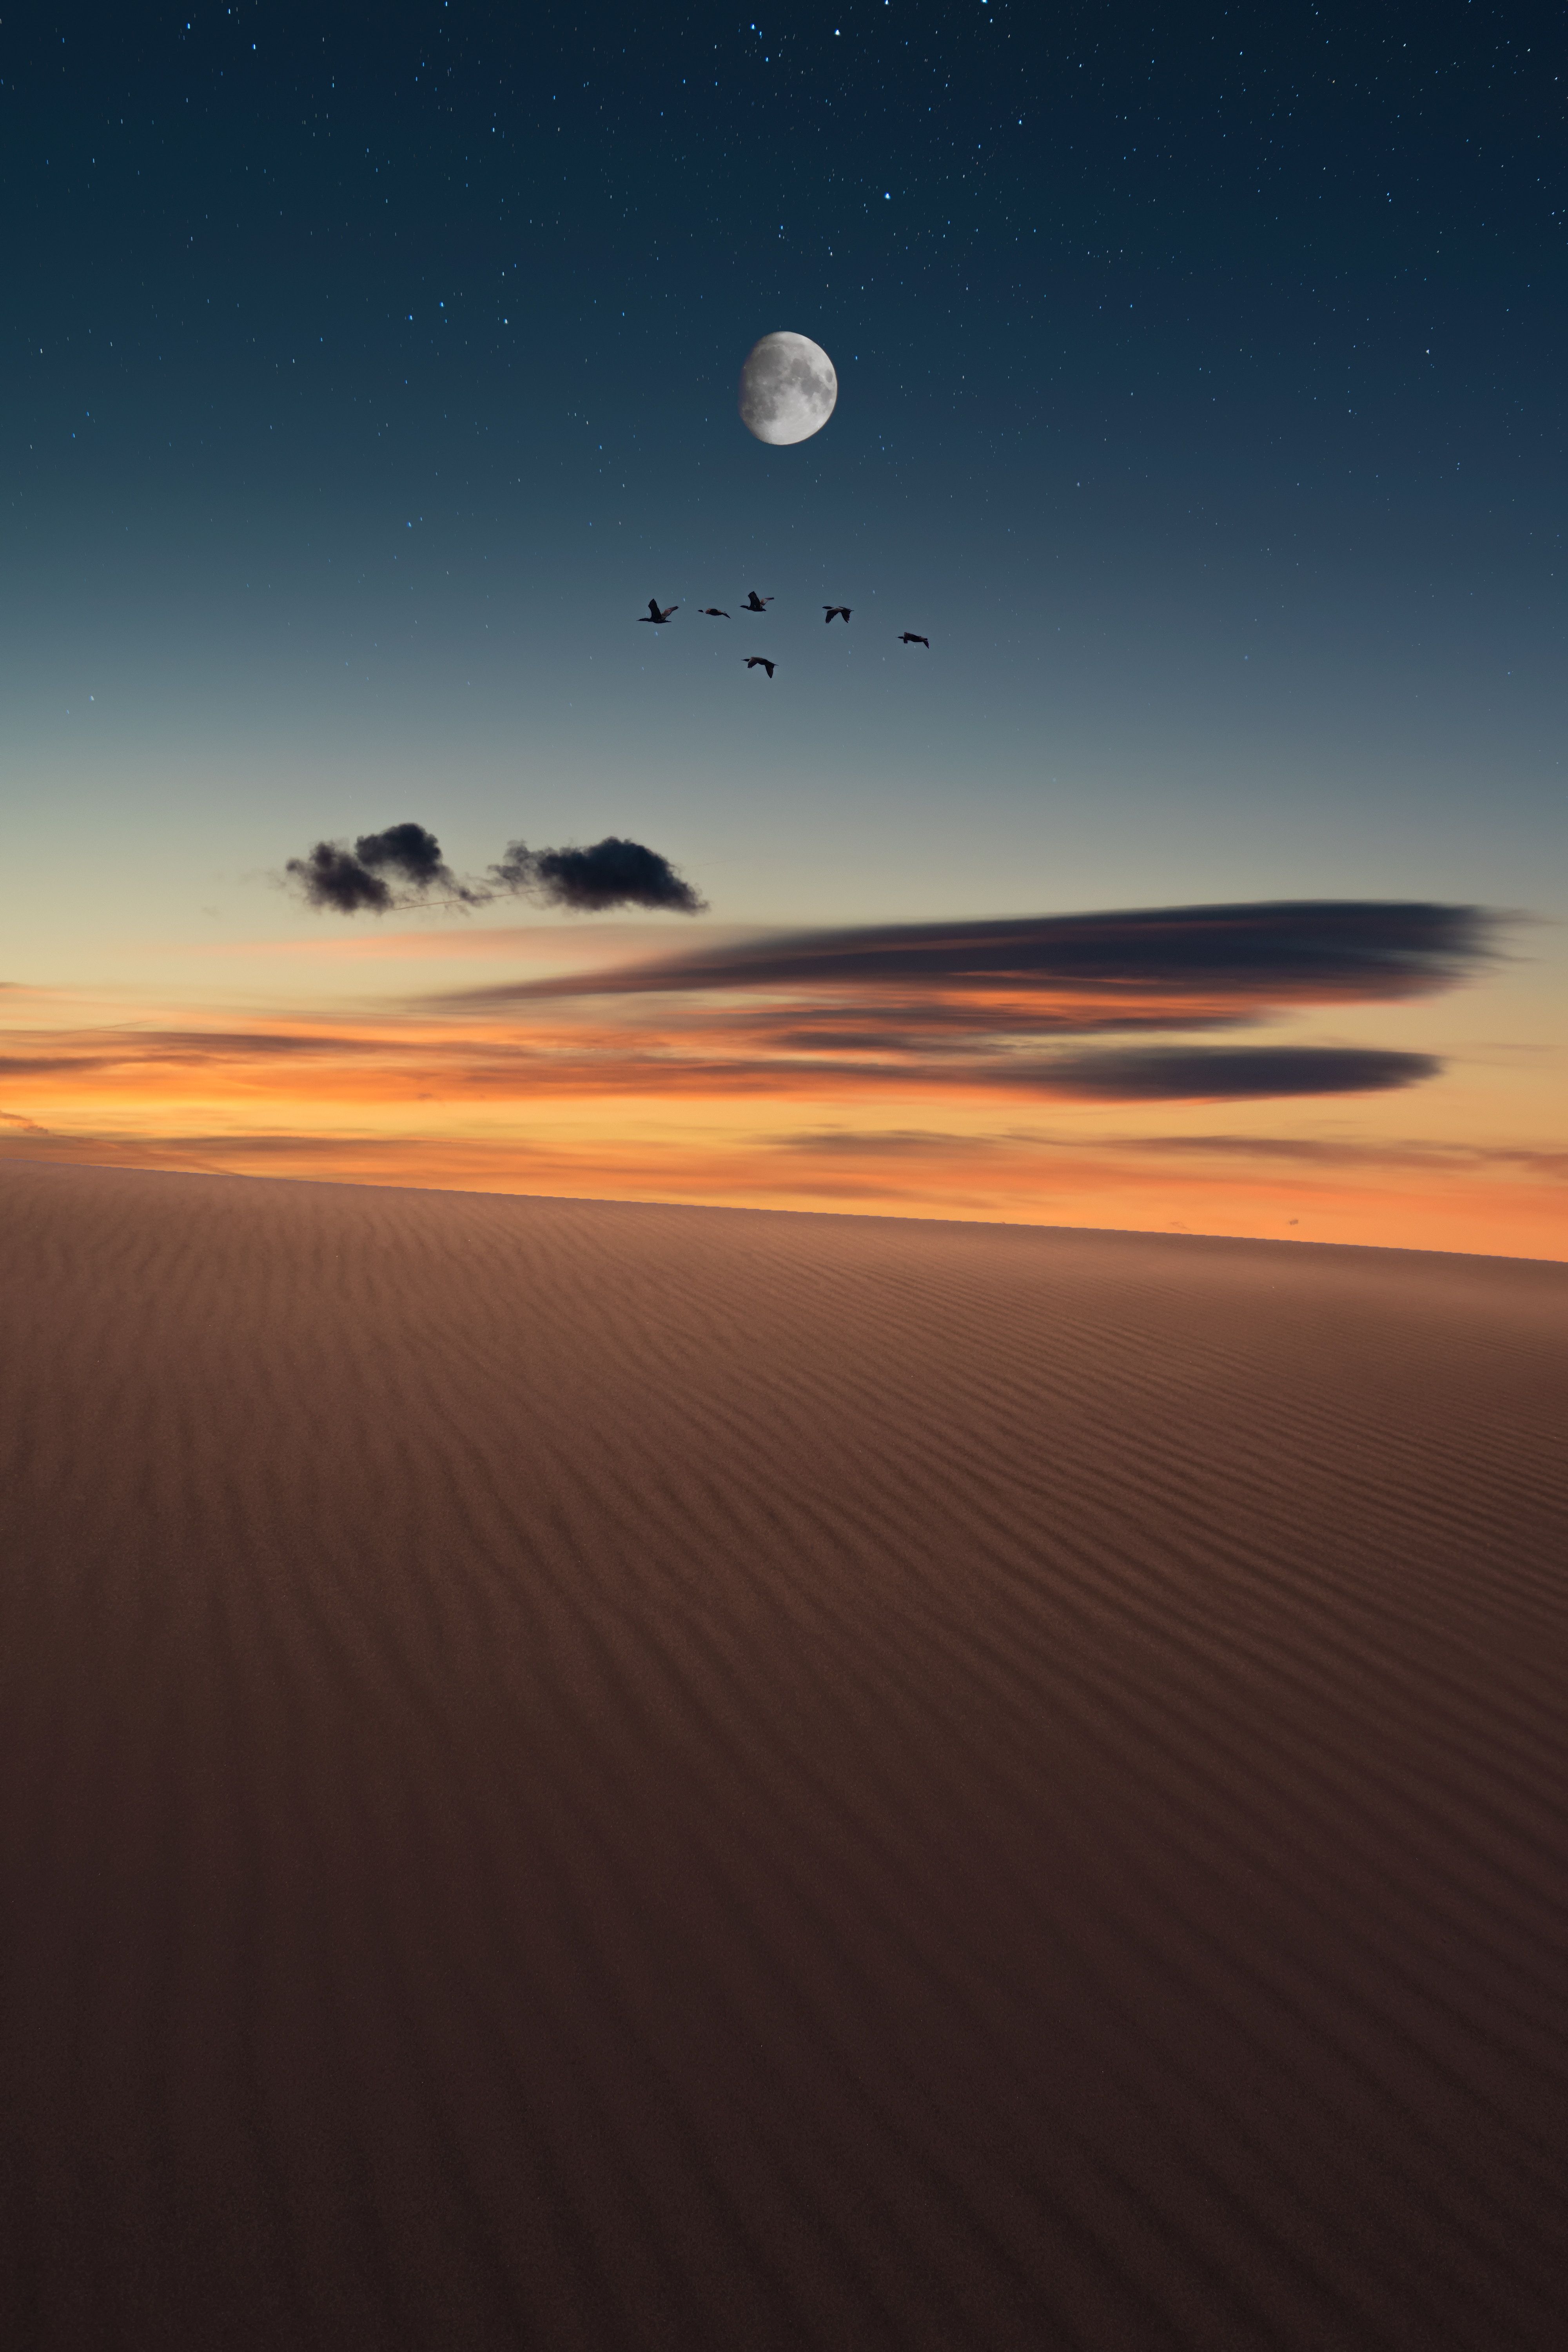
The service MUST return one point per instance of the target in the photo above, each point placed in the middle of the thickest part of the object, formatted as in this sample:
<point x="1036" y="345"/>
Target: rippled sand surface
<point x="593" y="1776"/>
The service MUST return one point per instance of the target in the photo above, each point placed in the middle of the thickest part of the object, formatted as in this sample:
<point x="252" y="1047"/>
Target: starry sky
<point x="1200" y="397"/>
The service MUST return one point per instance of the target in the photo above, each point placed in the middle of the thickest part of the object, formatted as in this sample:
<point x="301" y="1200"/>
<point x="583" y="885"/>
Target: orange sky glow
<point x="876" y="1101"/>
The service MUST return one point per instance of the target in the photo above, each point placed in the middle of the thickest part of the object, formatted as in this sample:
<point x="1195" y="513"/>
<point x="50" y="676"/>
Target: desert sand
<point x="592" y="1776"/>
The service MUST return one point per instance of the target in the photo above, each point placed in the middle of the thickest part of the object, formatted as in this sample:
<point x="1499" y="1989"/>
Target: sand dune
<point x="595" y="1776"/>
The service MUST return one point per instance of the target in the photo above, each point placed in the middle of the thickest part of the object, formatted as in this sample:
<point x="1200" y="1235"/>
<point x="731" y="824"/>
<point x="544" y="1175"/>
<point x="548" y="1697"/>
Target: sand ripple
<point x="596" y="1775"/>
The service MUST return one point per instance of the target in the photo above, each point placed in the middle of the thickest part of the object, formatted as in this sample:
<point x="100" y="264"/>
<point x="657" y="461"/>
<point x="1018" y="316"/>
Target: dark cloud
<point x="413" y="855"/>
<point x="993" y="1005"/>
<point x="334" y="877"/>
<point x="348" y="881"/>
<point x="1230" y="1073"/>
<point x="1281" y="951"/>
<point x="612" y="873"/>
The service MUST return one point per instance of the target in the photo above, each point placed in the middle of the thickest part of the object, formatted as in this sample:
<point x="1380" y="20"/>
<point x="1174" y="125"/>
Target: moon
<point x="788" y="389"/>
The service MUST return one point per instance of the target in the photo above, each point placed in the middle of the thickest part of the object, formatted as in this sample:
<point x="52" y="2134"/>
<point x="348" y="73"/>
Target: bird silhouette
<point x="910" y="638"/>
<point x="655" y="614"/>
<point x="829" y="610"/>
<point x="759" y="661"/>
<point x="755" y="603"/>
<point x="713" y="612"/>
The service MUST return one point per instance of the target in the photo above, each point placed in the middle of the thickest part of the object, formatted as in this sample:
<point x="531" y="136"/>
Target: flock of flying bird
<point x="657" y="615"/>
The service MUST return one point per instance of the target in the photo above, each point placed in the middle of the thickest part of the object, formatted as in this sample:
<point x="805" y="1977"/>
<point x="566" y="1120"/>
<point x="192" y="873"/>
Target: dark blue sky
<point x="1200" y="377"/>
<point x="1319" y="243"/>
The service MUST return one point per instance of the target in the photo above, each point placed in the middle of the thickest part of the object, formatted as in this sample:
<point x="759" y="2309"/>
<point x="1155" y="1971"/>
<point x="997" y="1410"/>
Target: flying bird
<point x="655" y="614"/>
<point x="910" y="638"/>
<point x="831" y="609"/>
<point x="759" y="661"/>
<point x="714" y="614"/>
<point x="755" y="603"/>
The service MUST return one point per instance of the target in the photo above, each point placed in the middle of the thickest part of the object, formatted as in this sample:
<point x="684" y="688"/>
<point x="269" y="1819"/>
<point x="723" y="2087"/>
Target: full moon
<point x="788" y="389"/>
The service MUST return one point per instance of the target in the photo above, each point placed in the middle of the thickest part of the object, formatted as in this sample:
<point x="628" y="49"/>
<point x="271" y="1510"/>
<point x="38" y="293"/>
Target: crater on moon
<point x="788" y="388"/>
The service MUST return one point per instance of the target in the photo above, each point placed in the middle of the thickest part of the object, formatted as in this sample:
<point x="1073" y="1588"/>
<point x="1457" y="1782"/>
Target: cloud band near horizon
<point x="991" y="1003"/>
<point x="1273" y="952"/>
<point x="1098" y="1009"/>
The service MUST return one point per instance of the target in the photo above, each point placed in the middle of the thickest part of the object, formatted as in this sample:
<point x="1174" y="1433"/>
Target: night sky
<point x="1200" y="397"/>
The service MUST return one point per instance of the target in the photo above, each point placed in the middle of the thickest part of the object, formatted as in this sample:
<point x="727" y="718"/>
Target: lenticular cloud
<point x="995" y="1004"/>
